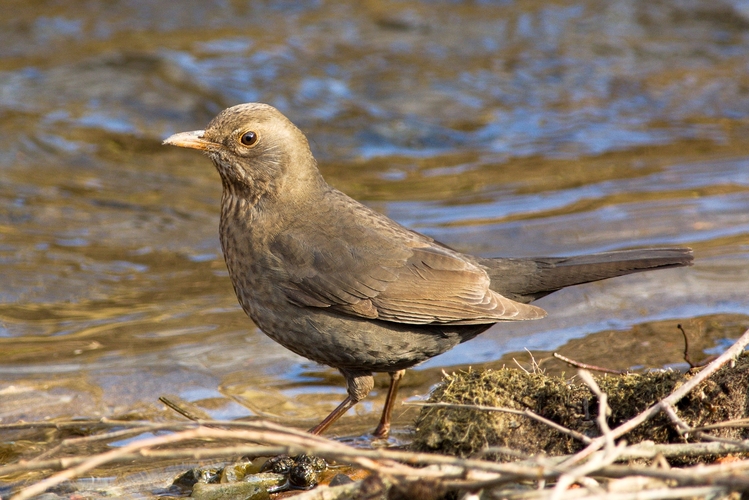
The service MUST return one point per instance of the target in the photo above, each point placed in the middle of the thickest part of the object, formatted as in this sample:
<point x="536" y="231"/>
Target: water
<point x="509" y="128"/>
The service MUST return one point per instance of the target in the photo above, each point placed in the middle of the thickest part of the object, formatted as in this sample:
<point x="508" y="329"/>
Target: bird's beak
<point x="192" y="140"/>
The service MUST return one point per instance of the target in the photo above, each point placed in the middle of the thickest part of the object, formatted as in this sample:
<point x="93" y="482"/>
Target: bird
<point x="344" y="285"/>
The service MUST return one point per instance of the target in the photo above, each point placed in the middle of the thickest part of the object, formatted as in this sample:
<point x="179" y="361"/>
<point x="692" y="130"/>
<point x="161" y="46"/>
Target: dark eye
<point x="248" y="138"/>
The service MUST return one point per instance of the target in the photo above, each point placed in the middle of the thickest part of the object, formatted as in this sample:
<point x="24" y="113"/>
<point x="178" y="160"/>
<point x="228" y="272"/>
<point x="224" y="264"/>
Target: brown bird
<point x="345" y="286"/>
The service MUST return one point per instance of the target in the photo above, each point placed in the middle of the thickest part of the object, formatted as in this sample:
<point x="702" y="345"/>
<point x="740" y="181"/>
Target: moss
<point x="464" y="431"/>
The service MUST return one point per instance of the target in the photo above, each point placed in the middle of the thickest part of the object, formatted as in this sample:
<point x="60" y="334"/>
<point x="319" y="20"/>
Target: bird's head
<point x="255" y="149"/>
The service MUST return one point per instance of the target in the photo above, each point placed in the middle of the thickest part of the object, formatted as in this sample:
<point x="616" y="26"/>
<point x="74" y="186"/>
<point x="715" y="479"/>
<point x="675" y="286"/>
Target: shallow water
<point x="508" y="128"/>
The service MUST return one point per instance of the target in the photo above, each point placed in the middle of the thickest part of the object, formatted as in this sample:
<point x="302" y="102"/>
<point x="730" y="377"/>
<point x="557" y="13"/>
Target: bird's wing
<point x="386" y="272"/>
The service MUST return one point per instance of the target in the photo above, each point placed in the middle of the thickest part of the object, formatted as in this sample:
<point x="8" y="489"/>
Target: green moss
<point x="465" y="431"/>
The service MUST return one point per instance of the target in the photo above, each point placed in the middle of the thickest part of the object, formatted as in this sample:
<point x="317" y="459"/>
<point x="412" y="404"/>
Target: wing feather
<point x="387" y="272"/>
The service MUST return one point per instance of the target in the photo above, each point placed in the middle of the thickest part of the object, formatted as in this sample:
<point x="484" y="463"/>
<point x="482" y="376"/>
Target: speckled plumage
<point x="343" y="285"/>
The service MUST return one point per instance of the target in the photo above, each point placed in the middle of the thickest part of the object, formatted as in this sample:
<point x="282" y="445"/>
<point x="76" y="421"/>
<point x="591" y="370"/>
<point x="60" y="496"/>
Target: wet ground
<point x="499" y="128"/>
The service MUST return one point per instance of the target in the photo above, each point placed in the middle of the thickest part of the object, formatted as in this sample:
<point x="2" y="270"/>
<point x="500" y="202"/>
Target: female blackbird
<point x="345" y="286"/>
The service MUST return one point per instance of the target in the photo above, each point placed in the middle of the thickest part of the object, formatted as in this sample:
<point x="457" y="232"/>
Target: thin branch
<point x="70" y="442"/>
<point x="586" y="366"/>
<point x="521" y="366"/>
<point x="152" y="426"/>
<point x="467" y="474"/>
<point x="527" y="413"/>
<point x="177" y="408"/>
<point x="97" y="460"/>
<point x="534" y="364"/>
<point x="682" y="426"/>
<point x="651" y="450"/>
<point x="603" y="407"/>
<point x="738" y="423"/>
<point x="201" y="453"/>
<point x="649" y="494"/>
<point x="730" y="474"/>
<point x="671" y="399"/>
<point x="686" y="346"/>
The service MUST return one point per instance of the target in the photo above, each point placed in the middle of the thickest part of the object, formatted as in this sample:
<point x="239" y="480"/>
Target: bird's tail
<point x="528" y="279"/>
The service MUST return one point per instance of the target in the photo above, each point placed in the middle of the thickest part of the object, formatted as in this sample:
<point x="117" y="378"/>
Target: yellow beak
<point x="192" y="140"/>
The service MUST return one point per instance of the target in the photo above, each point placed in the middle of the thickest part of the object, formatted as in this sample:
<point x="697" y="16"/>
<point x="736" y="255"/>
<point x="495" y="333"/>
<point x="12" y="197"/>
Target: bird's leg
<point x="359" y="384"/>
<point x="383" y="429"/>
<point x="334" y="415"/>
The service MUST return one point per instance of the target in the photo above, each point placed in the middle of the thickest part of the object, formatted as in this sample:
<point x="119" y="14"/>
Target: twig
<point x="534" y="364"/>
<point x="671" y="399"/>
<point x="527" y="413"/>
<point x="200" y="432"/>
<point x="152" y="426"/>
<point x="386" y="462"/>
<point x="603" y="407"/>
<point x="66" y="443"/>
<point x="682" y="426"/>
<point x="461" y="473"/>
<point x="182" y="411"/>
<point x="650" y="494"/>
<point x="597" y="461"/>
<point x="585" y="366"/>
<point x="731" y="474"/>
<point x="68" y="424"/>
<point x="651" y="450"/>
<point x="97" y="460"/>
<point x="738" y="423"/>
<point x="611" y="450"/>
<point x="467" y="474"/>
<point x="686" y="346"/>
<point x="181" y="454"/>
<point x="521" y="366"/>
<point x="331" y="492"/>
<point x="686" y="352"/>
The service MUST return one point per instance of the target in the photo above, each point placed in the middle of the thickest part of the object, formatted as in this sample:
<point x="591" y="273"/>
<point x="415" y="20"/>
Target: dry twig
<point x="453" y="472"/>
<point x="586" y="366"/>
<point x="668" y="401"/>
<point x="528" y="413"/>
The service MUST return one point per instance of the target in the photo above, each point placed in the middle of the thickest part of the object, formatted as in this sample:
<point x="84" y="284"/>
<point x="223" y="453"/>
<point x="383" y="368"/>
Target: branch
<point x="586" y="366"/>
<point x="732" y="352"/>
<point x="527" y="413"/>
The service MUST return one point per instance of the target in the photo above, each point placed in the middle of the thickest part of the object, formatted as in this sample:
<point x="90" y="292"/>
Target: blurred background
<point x="499" y="128"/>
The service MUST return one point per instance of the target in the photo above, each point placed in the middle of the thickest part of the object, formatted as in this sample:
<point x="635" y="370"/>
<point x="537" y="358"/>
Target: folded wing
<point x="392" y="275"/>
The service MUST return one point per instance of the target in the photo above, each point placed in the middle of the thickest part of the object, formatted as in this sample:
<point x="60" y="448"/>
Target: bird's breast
<point x="254" y="275"/>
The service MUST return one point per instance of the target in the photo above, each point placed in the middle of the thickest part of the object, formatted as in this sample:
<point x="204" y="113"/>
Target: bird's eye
<point x="248" y="138"/>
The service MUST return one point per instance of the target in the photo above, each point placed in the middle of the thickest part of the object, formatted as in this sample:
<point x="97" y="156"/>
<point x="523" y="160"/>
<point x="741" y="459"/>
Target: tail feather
<point x="528" y="279"/>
